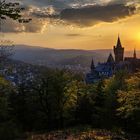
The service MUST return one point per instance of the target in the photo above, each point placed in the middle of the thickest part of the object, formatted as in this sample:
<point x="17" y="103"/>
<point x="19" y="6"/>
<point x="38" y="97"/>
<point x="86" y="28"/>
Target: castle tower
<point x="134" y="55"/>
<point x="118" y="51"/>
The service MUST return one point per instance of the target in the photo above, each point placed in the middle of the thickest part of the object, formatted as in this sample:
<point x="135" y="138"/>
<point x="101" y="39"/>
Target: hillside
<point x="53" y="57"/>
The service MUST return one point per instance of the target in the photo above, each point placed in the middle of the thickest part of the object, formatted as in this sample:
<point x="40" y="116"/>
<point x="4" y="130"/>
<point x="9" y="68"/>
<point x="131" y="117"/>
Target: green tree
<point x="57" y="96"/>
<point x="100" y="108"/>
<point x="129" y="103"/>
<point x="21" y="107"/>
<point x="8" y="128"/>
<point x="85" y="109"/>
<point x="91" y="105"/>
<point x="111" y="87"/>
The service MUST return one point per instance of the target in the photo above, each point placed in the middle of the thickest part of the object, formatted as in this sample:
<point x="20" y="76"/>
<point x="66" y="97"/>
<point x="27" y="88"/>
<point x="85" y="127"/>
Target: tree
<point x="129" y="103"/>
<point x="111" y="88"/>
<point x="8" y="127"/>
<point x="85" y="109"/>
<point x="99" y="106"/>
<point x="49" y="103"/>
<point x="129" y="109"/>
<point x="12" y="10"/>
<point x="26" y="108"/>
<point x="55" y="93"/>
<point x="91" y="102"/>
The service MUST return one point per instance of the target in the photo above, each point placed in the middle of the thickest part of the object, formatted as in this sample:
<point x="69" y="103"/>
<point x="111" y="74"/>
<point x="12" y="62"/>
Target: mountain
<point x="60" y="57"/>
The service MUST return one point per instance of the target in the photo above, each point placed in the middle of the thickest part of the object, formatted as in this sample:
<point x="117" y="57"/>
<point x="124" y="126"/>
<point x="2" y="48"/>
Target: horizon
<point x="19" y="45"/>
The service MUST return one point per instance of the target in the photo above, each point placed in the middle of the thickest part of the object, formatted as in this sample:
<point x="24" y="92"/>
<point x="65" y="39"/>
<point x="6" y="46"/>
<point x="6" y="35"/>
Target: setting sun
<point x="138" y="36"/>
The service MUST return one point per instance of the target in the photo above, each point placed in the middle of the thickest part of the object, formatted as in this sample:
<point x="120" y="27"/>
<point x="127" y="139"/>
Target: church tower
<point x="118" y="51"/>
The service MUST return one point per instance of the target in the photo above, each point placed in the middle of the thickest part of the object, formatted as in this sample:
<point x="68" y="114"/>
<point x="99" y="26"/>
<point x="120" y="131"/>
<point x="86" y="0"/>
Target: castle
<point x="107" y="69"/>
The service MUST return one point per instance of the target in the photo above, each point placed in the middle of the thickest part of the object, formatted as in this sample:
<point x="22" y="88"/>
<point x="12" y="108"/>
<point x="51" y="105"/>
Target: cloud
<point x="124" y="2"/>
<point x="72" y="35"/>
<point x="35" y="26"/>
<point x="88" y="16"/>
<point x="81" y="13"/>
<point x="43" y="12"/>
<point x="62" y="4"/>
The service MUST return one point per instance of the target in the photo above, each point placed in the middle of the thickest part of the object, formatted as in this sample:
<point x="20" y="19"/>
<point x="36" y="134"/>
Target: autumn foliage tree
<point x="129" y="103"/>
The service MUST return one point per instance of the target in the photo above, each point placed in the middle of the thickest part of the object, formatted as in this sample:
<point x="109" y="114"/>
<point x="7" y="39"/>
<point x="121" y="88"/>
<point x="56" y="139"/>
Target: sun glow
<point x="138" y="36"/>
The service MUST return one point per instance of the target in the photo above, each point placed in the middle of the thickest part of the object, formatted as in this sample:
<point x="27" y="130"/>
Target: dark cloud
<point x="89" y="16"/>
<point x="62" y="4"/>
<point x="59" y="4"/>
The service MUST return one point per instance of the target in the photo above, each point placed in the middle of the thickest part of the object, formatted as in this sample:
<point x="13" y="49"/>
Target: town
<point x="18" y="72"/>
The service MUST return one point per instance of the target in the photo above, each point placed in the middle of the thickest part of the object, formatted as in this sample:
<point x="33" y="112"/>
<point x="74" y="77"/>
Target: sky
<point x="77" y="24"/>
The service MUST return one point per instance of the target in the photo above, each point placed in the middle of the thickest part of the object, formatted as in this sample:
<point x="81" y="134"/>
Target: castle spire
<point x="92" y="65"/>
<point x="119" y="45"/>
<point x="134" y="55"/>
<point x="118" y="51"/>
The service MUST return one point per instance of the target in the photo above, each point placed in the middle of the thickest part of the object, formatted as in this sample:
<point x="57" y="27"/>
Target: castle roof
<point x="110" y="59"/>
<point x="104" y="67"/>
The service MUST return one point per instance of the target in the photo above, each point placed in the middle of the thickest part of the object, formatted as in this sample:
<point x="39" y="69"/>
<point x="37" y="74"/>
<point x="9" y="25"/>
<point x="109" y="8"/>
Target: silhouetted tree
<point x="12" y="10"/>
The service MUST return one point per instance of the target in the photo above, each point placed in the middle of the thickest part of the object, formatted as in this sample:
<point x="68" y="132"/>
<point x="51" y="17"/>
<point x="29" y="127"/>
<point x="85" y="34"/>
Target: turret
<point x="92" y="66"/>
<point x="110" y="59"/>
<point x="118" y="51"/>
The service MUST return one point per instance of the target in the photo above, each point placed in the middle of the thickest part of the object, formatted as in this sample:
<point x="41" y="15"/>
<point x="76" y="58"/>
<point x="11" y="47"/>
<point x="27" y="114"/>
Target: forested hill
<point x="52" y="57"/>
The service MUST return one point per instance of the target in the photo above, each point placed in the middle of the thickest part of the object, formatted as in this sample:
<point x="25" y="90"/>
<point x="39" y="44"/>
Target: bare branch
<point x="12" y="10"/>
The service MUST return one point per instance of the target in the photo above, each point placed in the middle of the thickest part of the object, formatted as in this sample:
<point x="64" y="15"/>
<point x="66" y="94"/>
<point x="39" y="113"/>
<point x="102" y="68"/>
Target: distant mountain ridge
<point x="60" y="57"/>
